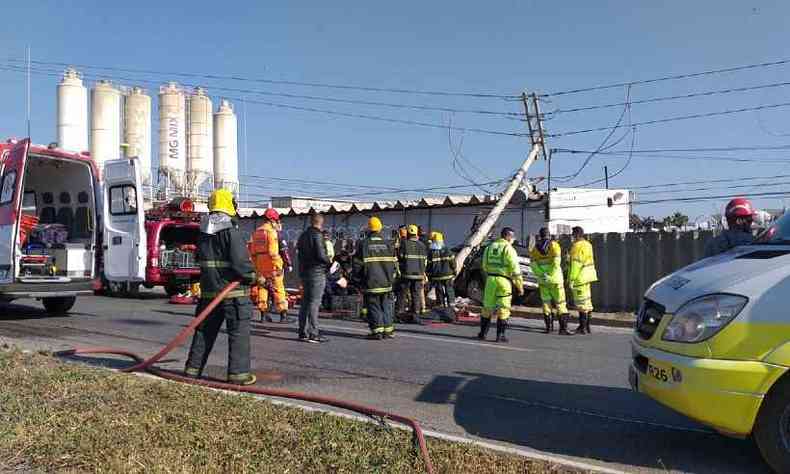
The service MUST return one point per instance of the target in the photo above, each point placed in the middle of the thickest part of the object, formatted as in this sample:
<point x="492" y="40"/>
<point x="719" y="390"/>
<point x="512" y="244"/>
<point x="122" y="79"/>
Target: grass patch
<point x="67" y="417"/>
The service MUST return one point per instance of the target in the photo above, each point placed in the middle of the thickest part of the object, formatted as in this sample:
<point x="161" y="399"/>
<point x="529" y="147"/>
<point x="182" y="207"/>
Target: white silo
<point x="72" y="112"/>
<point x="105" y="123"/>
<point x="137" y="131"/>
<point x="200" y="162"/>
<point x="172" y="134"/>
<point x="226" y="152"/>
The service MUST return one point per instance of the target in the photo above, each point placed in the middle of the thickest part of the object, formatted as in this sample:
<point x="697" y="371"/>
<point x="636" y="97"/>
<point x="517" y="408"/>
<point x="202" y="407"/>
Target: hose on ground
<point x="147" y="365"/>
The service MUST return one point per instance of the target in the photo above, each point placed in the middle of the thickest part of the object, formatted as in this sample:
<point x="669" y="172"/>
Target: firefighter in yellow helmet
<point x="581" y="275"/>
<point x="503" y="277"/>
<point x="441" y="273"/>
<point x="374" y="271"/>
<point x="264" y="248"/>
<point x="546" y="263"/>
<point x="413" y="258"/>
<point x="223" y="258"/>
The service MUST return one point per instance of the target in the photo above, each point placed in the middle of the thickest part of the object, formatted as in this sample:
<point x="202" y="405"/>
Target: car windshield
<point x="778" y="233"/>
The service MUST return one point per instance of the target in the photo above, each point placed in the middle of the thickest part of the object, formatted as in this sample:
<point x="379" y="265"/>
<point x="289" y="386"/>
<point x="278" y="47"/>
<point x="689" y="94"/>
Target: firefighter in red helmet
<point x="265" y="252"/>
<point x="739" y="214"/>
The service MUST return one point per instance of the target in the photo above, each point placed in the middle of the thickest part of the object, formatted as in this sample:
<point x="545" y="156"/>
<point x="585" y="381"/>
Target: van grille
<point x="649" y="318"/>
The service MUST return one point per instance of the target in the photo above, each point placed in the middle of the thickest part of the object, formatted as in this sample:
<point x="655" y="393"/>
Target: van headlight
<point x="701" y="318"/>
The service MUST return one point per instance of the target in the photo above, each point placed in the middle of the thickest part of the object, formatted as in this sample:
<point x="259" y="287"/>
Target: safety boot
<point x="582" y="323"/>
<point x="242" y="379"/>
<point x="587" y="322"/>
<point x="485" y="323"/>
<point x="192" y="373"/>
<point x="284" y="316"/>
<point x="501" y="326"/>
<point x="564" y="325"/>
<point x="547" y="321"/>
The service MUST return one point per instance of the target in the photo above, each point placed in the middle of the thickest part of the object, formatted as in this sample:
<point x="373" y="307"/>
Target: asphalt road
<point x="564" y="396"/>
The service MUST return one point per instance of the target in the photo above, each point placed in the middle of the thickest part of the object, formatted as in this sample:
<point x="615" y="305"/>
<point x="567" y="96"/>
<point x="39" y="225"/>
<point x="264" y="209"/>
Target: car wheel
<point x="772" y="430"/>
<point x="59" y="306"/>
<point x="475" y="288"/>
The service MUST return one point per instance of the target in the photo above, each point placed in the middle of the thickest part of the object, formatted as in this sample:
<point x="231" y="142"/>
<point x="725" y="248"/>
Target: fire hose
<point x="147" y="365"/>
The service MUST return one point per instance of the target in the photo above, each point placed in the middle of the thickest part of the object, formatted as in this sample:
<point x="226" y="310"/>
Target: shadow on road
<point x="601" y="423"/>
<point x="20" y="312"/>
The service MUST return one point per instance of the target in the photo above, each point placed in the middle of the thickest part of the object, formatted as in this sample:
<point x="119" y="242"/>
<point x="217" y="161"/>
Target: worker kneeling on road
<point x="546" y="263"/>
<point x="223" y="258"/>
<point x="503" y="277"/>
<point x="581" y="275"/>
<point x="441" y="272"/>
<point x="265" y="251"/>
<point x="374" y="271"/>
<point x="413" y="258"/>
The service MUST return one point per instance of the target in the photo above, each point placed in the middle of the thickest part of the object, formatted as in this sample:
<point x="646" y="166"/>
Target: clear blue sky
<point x="503" y="47"/>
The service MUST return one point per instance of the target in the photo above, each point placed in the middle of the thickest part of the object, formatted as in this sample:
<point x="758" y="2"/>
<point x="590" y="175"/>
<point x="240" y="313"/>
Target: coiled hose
<point x="147" y="365"/>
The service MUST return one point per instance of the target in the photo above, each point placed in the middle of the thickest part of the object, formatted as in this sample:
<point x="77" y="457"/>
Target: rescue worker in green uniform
<point x="441" y="273"/>
<point x="546" y="264"/>
<point x="503" y="277"/>
<point x="581" y="275"/>
<point x="413" y="258"/>
<point x="223" y="257"/>
<point x="374" y="270"/>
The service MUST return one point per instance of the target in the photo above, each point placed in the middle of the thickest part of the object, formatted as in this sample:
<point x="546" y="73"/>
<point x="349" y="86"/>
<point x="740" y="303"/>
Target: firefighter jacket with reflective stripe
<point x="546" y="262"/>
<point x="265" y="250"/>
<point x="223" y="257"/>
<point x="441" y="264"/>
<point x="413" y="258"/>
<point x="375" y="266"/>
<point x="582" y="269"/>
<point x="501" y="260"/>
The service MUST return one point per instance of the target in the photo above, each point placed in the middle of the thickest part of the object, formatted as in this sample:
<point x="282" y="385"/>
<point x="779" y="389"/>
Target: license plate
<point x="633" y="379"/>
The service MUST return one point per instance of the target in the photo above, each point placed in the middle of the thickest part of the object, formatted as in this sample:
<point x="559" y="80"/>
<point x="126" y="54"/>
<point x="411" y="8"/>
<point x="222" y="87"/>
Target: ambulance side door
<point x="10" y="198"/>
<point x="124" y="243"/>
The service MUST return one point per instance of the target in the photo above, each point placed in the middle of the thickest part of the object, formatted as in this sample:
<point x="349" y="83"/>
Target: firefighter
<point x="740" y="215"/>
<point x="374" y="271"/>
<point x="265" y="250"/>
<point x="223" y="258"/>
<point x="412" y="258"/>
<point x="503" y="277"/>
<point x="441" y="272"/>
<point x="581" y="275"/>
<point x="546" y="263"/>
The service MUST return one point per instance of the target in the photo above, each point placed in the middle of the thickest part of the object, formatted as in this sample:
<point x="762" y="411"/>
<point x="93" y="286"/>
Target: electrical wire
<point x="622" y="169"/>
<point x="480" y="95"/>
<point x="684" y="157"/>
<point x="708" y="181"/>
<point x="718" y="188"/>
<point x="670" y="78"/>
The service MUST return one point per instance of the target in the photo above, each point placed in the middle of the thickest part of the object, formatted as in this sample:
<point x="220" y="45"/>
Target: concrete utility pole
<point x="536" y="138"/>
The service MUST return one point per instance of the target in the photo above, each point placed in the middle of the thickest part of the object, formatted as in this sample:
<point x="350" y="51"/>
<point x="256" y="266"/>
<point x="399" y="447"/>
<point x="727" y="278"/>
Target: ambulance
<point x="712" y="341"/>
<point x="63" y="224"/>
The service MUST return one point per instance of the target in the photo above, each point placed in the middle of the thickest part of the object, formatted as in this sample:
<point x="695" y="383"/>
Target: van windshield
<point x="778" y="233"/>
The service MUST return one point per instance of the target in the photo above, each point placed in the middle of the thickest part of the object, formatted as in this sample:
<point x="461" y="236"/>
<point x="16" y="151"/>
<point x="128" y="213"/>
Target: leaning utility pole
<point x="535" y="127"/>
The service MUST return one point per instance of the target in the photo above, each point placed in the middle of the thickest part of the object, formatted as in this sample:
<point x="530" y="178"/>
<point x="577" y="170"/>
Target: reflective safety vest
<point x="265" y="250"/>
<point x="582" y="269"/>
<point x="441" y="264"/>
<point x="547" y="266"/>
<point x="375" y="266"/>
<point x="413" y="256"/>
<point x="500" y="260"/>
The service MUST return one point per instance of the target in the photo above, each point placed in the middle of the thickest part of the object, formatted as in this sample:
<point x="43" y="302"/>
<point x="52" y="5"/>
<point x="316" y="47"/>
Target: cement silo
<point x="137" y="129"/>
<point x="200" y="162"/>
<point x="72" y="113"/>
<point x="172" y="135"/>
<point x="105" y="123"/>
<point x="226" y="152"/>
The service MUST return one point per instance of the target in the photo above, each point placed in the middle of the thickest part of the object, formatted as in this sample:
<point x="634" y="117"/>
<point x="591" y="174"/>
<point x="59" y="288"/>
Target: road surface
<point x="563" y="396"/>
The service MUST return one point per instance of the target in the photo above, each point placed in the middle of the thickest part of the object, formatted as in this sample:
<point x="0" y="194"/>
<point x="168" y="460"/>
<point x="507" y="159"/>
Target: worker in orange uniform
<point x="265" y="253"/>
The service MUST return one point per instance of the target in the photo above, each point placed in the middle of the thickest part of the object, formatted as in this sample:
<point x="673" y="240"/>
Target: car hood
<point x="723" y="273"/>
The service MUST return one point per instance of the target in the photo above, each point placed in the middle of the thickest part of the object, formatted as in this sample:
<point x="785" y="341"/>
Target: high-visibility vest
<point x="582" y="269"/>
<point x="500" y="260"/>
<point x="265" y="249"/>
<point x="547" y="267"/>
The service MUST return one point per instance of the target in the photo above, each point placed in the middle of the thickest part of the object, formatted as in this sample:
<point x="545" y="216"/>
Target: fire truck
<point x="62" y="223"/>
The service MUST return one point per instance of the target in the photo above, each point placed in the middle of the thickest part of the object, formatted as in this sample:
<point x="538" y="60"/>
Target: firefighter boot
<point x="547" y="320"/>
<point x="284" y="316"/>
<point x="501" y="326"/>
<point x="587" y="322"/>
<point x="485" y="323"/>
<point x="582" y="323"/>
<point x="564" y="325"/>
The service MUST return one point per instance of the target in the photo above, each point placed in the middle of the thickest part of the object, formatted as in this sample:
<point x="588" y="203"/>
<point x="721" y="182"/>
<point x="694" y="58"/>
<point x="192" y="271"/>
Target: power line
<point x="670" y="78"/>
<point x="672" y="97"/>
<point x="480" y="95"/>
<point x="341" y="114"/>
<point x="622" y="169"/>
<point x="771" y="194"/>
<point x="677" y="157"/>
<point x="677" y="118"/>
<point x="709" y="181"/>
<point x="713" y="188"/>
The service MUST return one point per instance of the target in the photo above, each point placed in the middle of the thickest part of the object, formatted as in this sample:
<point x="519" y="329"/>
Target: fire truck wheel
<point x="59" y="306"/>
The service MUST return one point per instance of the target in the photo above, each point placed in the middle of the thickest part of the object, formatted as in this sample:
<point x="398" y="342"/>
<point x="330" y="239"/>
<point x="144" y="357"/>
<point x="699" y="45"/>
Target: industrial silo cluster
<point x="198" y="148"/>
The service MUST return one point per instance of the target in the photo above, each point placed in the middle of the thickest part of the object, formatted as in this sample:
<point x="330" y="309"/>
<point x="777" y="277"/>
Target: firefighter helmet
<point x="374" y="224"/>
<point x="272" y="214"/>
<point x="221" y="200"/>
<point x="413" y="230"/>
<point x="739" y="208"/>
